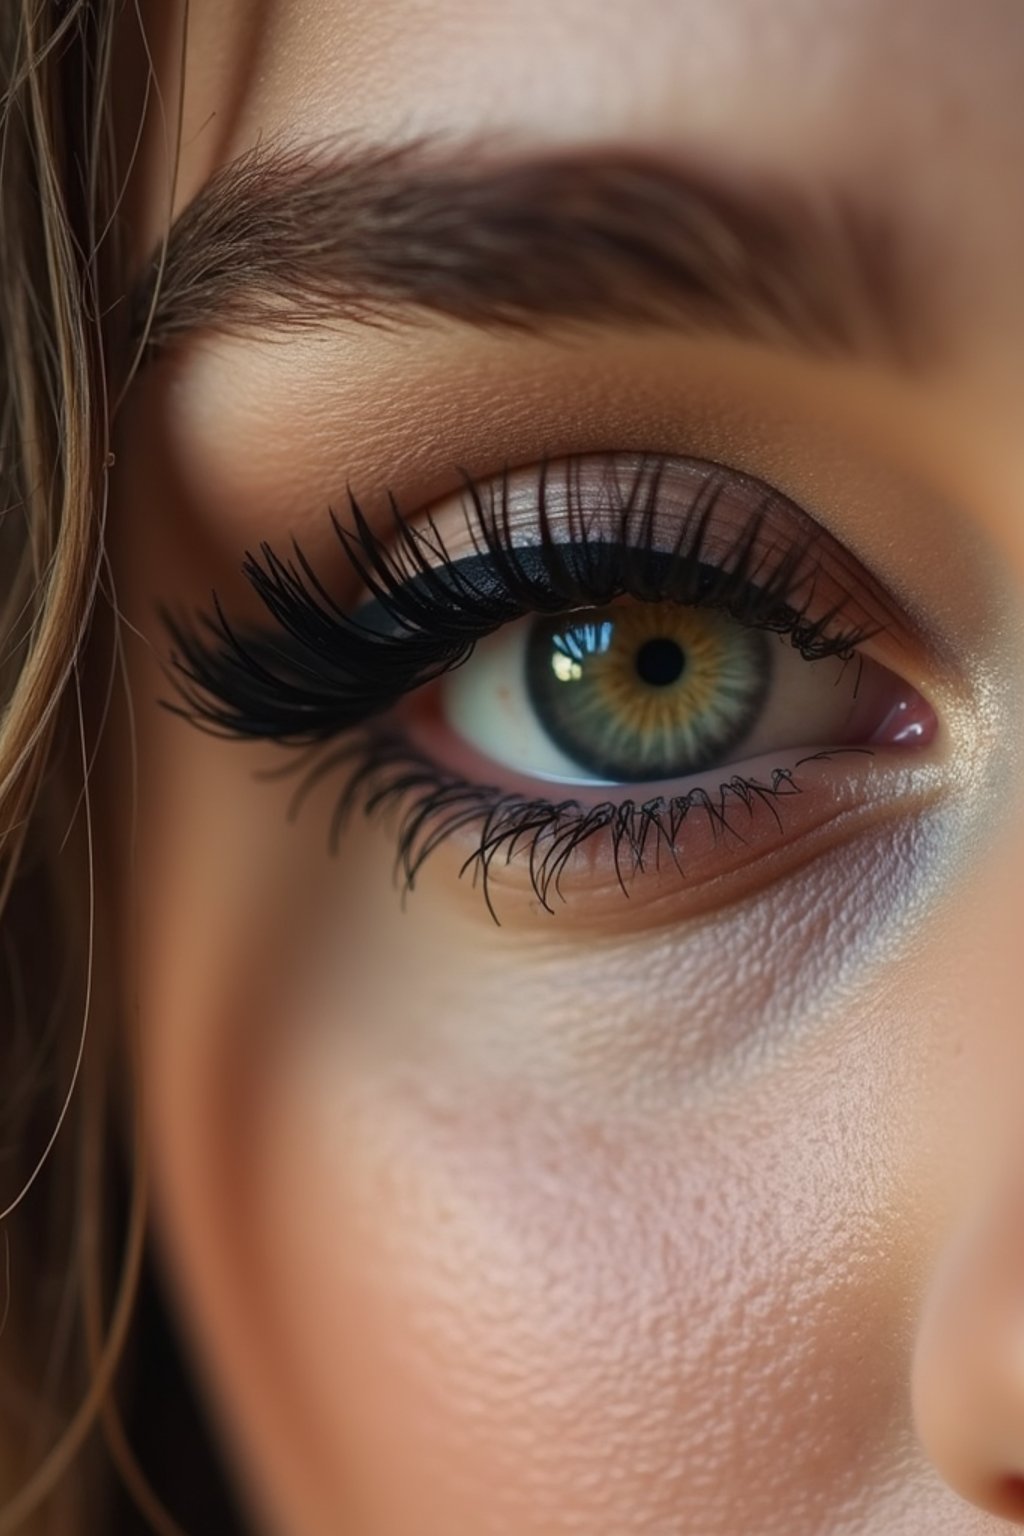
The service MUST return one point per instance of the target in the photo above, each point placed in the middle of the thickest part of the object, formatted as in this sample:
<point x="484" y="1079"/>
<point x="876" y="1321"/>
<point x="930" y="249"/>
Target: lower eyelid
<point x="750" y="830"/>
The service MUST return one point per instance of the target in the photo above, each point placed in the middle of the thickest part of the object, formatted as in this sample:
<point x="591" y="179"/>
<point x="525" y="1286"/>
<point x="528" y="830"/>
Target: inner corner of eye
<point x="637" y="693"/>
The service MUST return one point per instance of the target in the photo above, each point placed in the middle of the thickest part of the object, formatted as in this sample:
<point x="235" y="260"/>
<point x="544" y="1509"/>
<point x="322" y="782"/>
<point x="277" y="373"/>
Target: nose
<point x="968" y="1377"/>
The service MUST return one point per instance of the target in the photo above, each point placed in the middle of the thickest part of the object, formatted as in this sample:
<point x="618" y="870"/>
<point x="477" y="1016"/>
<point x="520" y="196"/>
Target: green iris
<point x="640" y="691"/>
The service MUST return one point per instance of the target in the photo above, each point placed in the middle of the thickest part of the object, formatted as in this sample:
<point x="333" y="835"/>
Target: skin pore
<point x="649" y="1215"/>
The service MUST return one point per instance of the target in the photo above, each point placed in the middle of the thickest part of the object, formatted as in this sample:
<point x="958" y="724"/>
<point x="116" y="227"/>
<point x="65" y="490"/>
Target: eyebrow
<point x="286" y="238"/>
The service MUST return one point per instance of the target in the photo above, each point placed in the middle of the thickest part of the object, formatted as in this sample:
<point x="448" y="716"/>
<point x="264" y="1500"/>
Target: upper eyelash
<point x="322" y="671"/>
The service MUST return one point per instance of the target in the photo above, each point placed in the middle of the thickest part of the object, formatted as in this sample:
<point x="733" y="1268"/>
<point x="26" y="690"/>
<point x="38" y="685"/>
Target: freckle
<point x="504" y="694"/>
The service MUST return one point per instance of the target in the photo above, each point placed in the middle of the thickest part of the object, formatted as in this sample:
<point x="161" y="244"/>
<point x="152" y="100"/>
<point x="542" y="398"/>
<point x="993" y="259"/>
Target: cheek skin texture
<point x="494" y="1232"/>
<point x="481" y="1254"/>
<point x="455" y="1293"/>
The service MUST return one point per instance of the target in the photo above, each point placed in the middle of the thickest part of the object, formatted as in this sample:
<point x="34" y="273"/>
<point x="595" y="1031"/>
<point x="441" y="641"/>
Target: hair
<point x="69" y="1257"/>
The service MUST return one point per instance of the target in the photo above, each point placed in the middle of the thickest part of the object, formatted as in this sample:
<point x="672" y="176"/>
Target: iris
<point x="639" y="691"/>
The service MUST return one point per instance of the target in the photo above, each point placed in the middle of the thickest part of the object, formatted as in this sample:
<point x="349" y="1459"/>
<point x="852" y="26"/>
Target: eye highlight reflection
<point x="674" y="633"/>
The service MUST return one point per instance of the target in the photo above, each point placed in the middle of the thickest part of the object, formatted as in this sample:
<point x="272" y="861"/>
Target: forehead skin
<point x="480" y="1235"/>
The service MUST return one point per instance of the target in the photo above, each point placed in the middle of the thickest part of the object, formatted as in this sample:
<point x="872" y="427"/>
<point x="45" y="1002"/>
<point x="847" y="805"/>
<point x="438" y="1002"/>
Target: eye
<point x="667" y="640"/>
<point x="638" y="692"/>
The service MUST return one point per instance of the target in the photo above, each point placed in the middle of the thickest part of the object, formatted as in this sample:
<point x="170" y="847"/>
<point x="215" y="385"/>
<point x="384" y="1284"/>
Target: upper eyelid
<point x="784" y="523"/>
<point x="216" y="663"/>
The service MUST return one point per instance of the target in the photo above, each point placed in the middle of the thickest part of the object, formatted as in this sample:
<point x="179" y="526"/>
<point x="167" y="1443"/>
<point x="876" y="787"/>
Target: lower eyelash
<point x="385" y="774"/>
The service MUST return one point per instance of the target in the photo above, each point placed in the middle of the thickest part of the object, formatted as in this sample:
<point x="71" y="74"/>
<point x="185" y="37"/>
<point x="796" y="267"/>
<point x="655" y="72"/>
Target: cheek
<point x="533" y="1237"/>
<point x="529" y="1309"/>
<point x="469" y="1223"/>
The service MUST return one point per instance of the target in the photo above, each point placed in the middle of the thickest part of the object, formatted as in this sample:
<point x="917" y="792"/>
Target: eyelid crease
<point x="603" y="526"/>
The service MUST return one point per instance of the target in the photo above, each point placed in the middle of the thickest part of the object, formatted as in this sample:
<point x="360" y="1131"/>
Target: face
<point x="583" y="1084"/>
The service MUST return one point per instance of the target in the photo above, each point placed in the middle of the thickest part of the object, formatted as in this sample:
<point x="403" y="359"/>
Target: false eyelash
<point x="322" y="671"/>
<point x="384" y="773"/>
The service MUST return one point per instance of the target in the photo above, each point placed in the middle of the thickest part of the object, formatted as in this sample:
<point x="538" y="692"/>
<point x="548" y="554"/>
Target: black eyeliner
<point x="316" y="671"/>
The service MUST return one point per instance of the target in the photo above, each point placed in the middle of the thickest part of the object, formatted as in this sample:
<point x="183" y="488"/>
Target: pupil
<point x="660" y="662"/>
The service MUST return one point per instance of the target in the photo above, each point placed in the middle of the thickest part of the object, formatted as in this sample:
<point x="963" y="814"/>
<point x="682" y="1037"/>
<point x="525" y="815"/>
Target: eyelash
<point x="322" y="673"/>
<point x="383" y="771"/>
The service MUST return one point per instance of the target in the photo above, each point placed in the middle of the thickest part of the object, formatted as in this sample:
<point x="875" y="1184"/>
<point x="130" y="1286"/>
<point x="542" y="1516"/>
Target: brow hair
<point x="287" y="238"/>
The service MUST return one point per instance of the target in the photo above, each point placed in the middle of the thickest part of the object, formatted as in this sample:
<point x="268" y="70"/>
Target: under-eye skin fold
<point x="600" y="647"/>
